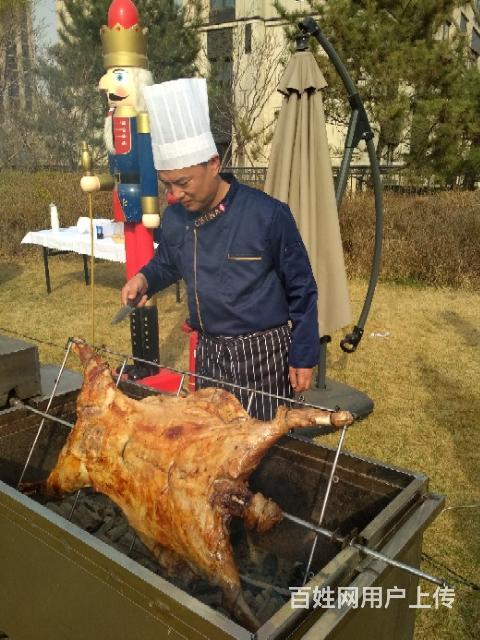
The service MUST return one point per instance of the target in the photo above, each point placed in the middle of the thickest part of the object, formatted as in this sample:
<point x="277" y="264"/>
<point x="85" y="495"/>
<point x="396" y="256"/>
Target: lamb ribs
<point x="177" y="467"/>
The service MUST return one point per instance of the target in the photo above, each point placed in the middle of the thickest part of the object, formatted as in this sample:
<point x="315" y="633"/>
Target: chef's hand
<point x="300" y="379"/>
<point x="135" y="288"/>
<point x="89" y="184"/>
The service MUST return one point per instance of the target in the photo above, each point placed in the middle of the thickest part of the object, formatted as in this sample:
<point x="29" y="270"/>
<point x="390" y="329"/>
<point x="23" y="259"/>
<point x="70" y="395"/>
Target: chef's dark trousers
<point x="257" y="361"/>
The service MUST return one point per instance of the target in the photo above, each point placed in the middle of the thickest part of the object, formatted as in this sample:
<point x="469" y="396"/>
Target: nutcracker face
<point x="119" y="86"/>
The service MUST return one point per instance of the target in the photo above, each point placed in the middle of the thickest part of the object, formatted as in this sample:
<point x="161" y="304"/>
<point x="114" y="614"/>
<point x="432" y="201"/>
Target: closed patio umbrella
<point x="300" y="174"/>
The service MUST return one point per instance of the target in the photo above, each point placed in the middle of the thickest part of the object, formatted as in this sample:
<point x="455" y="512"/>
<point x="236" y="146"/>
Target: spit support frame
<point x="316" y="528"/>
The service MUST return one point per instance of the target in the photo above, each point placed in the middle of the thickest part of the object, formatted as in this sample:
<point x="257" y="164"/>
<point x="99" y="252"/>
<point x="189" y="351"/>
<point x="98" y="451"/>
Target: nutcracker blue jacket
<point x="246" y="270"/>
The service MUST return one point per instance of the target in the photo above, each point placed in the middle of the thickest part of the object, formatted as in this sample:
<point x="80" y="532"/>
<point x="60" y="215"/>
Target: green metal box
<point x="58" y="582"/>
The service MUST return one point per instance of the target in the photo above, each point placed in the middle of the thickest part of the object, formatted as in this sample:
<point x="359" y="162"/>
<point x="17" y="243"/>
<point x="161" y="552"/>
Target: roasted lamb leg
<point x="178" y="468"/>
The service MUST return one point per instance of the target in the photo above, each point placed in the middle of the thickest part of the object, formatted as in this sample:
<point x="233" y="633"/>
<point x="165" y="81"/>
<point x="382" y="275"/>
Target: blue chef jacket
<point x="247" y="270"/>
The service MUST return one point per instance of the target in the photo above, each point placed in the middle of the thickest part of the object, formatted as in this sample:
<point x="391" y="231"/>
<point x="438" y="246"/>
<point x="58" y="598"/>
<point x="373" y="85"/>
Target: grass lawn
<point x="422" y="372"/>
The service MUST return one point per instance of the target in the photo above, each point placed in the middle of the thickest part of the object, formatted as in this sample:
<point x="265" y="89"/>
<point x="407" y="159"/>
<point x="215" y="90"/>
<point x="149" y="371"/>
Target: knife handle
<point x="132" y="302"/>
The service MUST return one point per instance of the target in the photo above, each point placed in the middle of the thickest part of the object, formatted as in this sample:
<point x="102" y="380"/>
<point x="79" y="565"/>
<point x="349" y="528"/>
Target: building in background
<point x="245" y="41"/>
<point x="245" y="48"/>
<point x="465" y="21"/>
<point x="17" y="54"/>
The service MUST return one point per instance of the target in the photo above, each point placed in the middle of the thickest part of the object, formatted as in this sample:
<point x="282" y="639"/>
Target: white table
<point x="70" y="240"/>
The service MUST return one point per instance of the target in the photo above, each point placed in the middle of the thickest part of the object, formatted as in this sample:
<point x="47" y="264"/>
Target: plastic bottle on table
<point x="54" y="221"/>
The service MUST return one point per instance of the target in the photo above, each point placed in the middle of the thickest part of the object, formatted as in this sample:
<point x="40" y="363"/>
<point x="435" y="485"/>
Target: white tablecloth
<point x="70" y="239"/>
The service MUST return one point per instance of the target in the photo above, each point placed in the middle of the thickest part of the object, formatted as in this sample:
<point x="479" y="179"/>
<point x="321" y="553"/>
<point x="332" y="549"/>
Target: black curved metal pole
<point x="359" y="129"/>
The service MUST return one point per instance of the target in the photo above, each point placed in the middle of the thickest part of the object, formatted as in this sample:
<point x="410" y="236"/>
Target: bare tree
<point x="16" y="52"/>
<point x="17" y="81"/>
<point x="243" y="79"/>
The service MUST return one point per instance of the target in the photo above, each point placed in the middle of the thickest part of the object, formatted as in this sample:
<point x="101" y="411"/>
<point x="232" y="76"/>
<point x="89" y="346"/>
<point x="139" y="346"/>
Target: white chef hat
<point x="179" y="122"/>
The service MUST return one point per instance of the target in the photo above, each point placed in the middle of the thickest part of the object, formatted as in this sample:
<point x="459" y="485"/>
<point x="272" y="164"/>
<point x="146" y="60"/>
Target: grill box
<point x="58" y="582"/>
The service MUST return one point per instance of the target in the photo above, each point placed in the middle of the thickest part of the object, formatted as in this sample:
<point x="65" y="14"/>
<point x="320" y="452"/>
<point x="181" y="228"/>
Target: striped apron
<point x="257" y="361"/>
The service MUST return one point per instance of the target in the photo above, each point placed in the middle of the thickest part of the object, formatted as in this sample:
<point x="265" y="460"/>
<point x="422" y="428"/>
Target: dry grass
<point x="51" y="319"/>
<point x="430" y="239"/>
<point x="423" y="378"/>
<point x="25" y="197"/>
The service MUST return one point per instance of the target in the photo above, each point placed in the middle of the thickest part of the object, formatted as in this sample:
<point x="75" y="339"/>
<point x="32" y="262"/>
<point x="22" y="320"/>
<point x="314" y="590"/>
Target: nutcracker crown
<point x="123" y="39"/>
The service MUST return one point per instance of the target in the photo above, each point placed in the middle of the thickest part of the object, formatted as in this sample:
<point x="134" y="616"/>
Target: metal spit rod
<point x="46" y="416"/>
<point x="249" y="390"/>
<point x="325" y="500"/>
<point x="343" y="540"/>
<point x="52" y="395"/>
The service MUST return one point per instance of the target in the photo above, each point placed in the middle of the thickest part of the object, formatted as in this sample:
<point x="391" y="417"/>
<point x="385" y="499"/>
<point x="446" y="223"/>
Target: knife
<point x="126" y="310"/>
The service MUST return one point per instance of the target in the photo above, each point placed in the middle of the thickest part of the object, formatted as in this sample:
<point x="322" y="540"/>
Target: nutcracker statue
<point x="132" y="178"/>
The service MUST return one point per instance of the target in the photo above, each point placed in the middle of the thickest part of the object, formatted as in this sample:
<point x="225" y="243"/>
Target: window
<point x="222" y="11"/>
<point x="475" y="45"/>
<point x="446" y="30"/>
<point x="473" y="60"/>
<point x="220" y="45"/>
<point x="219" y="54"/>
<point x="219" y="5"/>
<point x="463" y="23"/>
<point x="248" y="38"/>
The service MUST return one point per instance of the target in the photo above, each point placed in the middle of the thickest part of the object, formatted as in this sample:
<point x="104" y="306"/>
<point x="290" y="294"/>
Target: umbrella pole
<point x="322" y="363"/>
<point x="342" y="176"/>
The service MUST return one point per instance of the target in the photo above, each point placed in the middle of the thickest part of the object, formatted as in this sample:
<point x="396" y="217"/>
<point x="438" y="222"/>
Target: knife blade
<point x="123" y="313"/>
<point x="126" y="310"/>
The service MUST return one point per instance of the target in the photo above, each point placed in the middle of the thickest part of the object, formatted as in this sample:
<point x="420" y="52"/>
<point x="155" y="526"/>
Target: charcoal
<point x="103" y="538"/>
<point x="118" y="531"/>
<point x="212" y="599"/>
<point x="249" y="597"/>
<point x="270" y="565"/>
<point x="128" y="539"/>
<point x="201" y="586"/>
<point x="255" y="555"/>
<point x="268" y="608"/>
<point x="86" y="518"/>
<point x="297" y="574"/>
<point x="61" y="508"/>
<point x="263" y="571"/>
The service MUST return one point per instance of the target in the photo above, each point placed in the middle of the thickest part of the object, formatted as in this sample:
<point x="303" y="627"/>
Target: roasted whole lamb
<point x="177" y="467"/>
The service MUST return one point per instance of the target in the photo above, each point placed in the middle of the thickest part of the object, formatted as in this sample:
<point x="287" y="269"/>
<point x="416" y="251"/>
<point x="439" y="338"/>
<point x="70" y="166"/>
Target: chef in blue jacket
<point x="251" y="292"/>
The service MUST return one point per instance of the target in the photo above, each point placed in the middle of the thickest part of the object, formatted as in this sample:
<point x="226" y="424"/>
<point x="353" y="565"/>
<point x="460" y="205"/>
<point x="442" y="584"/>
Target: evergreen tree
<point x="410" y="75"/>
<point x="470" y="159"/>
<point x="72" y="109"/>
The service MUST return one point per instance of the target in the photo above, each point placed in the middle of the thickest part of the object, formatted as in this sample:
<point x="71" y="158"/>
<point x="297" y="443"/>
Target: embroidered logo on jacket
<point x="210" y="215"/>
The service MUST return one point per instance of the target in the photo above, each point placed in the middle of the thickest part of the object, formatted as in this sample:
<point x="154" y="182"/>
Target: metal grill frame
<point x="352" y="544"/>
